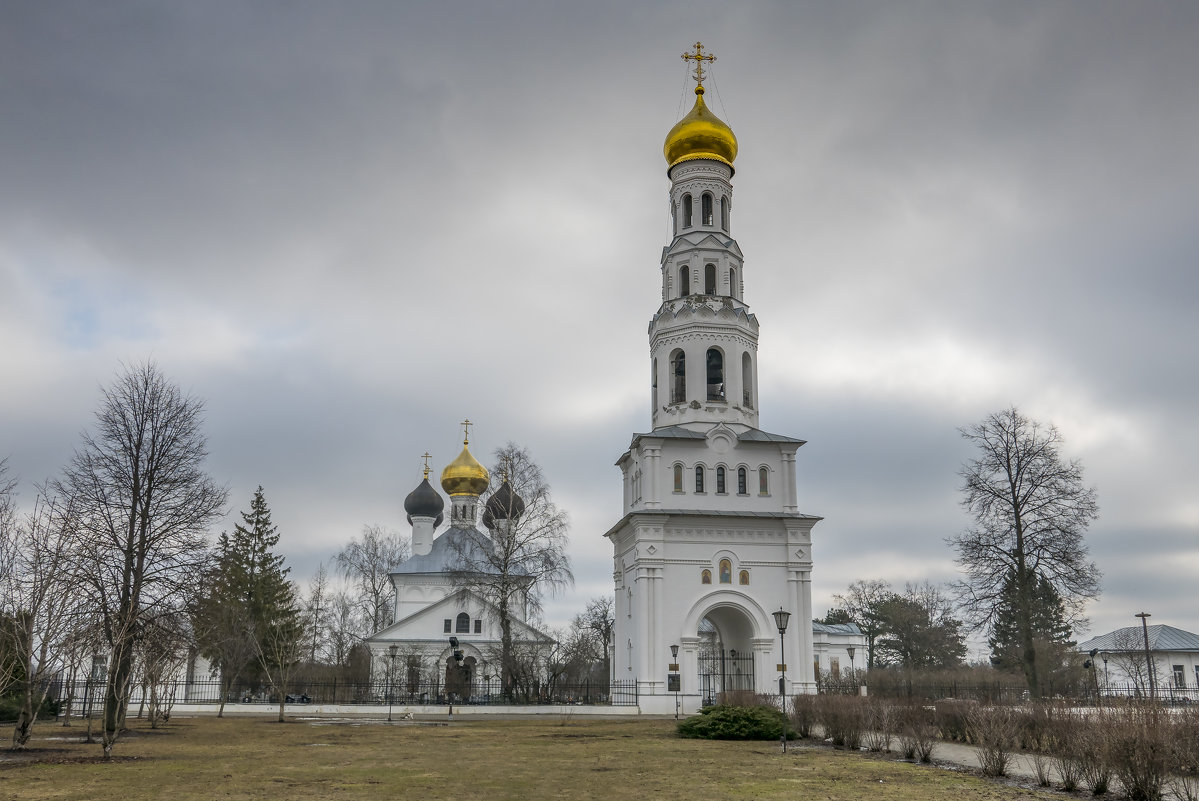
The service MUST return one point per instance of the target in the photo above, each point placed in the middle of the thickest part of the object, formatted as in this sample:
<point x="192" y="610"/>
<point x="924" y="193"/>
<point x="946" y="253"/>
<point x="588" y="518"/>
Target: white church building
<point x="712" y="541"/>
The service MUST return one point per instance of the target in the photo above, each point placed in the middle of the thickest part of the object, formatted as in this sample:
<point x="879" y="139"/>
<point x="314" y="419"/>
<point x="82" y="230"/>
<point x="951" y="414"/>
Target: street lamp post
<point x="676" y="680"/>
<point x="457" y="654"/>
<point x="1144" y="616"/>
<point x="780" y="620"/>
<point x="391" y="675"/>
<point x="853" y="672"/>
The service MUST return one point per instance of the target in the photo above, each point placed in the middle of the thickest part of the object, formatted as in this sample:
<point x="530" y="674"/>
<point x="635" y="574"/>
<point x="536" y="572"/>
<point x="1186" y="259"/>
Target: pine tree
<point x="250" y="621"/>
<point x="1047" y="620"/>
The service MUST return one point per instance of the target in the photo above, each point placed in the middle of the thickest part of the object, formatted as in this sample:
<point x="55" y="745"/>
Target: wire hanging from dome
<point x="678" y="112"/>
<point x="724" y="112"/>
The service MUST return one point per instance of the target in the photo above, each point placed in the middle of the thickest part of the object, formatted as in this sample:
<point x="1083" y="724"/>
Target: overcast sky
<point x="347" y="226"/>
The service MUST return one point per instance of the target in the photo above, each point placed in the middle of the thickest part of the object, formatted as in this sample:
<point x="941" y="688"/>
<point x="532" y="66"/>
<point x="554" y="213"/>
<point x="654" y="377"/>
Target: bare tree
<point x="1128" y="657"/>
<point x="861" y="603"/>
<point x="164" y="645"/>
<point x="598" y="620"/>
<point x="144" y="502"/>
<point x="1030" y="510"/>
<point x="8" y="557"/>
<point x="367" y="563"/>
<point x="523" y="557"/>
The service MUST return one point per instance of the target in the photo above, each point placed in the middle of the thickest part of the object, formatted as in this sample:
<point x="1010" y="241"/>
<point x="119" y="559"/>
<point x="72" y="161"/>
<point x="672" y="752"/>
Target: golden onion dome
<point x="700" y="135"/>
<point x="465" y="476"/>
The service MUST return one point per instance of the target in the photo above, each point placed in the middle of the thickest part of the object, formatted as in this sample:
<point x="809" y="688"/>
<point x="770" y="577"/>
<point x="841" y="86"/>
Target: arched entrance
<point x="460" y="679"/>
<point x="725" y="659"/>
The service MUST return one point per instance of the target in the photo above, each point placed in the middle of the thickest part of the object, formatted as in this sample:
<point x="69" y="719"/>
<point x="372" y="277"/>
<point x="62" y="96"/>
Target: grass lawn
<point x="244" y="758"/>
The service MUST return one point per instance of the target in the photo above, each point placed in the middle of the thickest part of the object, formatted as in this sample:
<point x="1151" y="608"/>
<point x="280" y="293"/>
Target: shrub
<point x="803" y="715"/>
<point x="995" y="730"/>
<point x="1090" y="752"/>
<point x="880" y="726"/>
<point x="1066" y="739"/>
<point x="734" y="723"/>
<point x="953" y="719"/>
<point x="1138" y="749"/>
<point x="917" y="732"/>
<point x="1184" y="757"/>
<point x="844" y="719"/>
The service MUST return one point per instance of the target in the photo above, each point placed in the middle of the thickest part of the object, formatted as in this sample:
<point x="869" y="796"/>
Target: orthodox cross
<point x="466" y="424"/>
<point x="699" y="58"/>
<point x="426" y="457"/>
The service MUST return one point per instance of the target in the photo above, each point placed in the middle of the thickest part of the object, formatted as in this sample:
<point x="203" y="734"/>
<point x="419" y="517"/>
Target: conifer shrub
<point x="722" y="722"/>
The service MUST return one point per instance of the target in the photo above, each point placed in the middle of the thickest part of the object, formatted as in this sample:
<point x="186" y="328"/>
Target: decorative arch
<point x="705" y="577"/>
<point x="684" y="280"/>
<point x="687" y="211"/>
<point x="726" y="571"/>
<point x="743" y="578"/>
<point x="728" y="598"/>
<point x="732" y="282"/>
<point x="706" y="209"/>
<point x="763" y="480"/>
<point x="721" y="480"/>
<point x="742" y="481"/>
<point x="654" y="386"/>
<point x="678" y="477"/>
<point x="462" y="623"/>
<point x="709" y="279"/>
<point x="699" y="478"/>
<point x="724" y="212"/>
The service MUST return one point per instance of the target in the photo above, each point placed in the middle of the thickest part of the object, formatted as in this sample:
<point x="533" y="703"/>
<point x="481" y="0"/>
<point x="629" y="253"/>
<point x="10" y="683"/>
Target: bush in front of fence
<point x="723" y="722"/>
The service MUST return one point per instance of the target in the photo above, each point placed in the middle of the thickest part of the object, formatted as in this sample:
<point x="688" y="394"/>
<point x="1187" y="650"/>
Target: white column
<point x="649" y="476"/>
<point x="790" y="501"/>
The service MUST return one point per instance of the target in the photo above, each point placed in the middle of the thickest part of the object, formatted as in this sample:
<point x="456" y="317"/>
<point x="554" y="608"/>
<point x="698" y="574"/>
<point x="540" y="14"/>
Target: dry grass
<point x="242" y="758"/>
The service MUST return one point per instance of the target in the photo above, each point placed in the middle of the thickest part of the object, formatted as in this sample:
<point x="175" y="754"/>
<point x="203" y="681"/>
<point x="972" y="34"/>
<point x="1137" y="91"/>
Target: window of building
<point x="741" y="477"/>
<point x="709" y="279"/>
<point x="747" y="381"/>
<point x="743" y="577"/>
<point x="720" y="490"/>
<point x="686" y="211"/>
<point x="412" y="669"/>
<point x="678" y="373"/>
<point x="1180" y="677"/>
<point x="732" y="283"/>
<point x="684" y="281"/>
<point x="449" y="625"/>
<point x="463" y="624"/>
<point x="763" y="481"/>
<point x="715" y="374"/>
<point x="706" y="208"/>
<point x="654" y="387"/>
<point x="478" y="627"/>
<point x="724" y="212"/>
<point x="834" y="667"/>
<point x="699" y="478"/>
<point x="726" y="571"/>
<point x="705" y="577"/>
<point x="678" y="478"/>
<point x="816" y="668"/>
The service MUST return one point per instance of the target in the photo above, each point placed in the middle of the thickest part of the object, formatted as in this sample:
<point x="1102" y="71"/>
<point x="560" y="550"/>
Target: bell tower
<point x="711" y="542"/>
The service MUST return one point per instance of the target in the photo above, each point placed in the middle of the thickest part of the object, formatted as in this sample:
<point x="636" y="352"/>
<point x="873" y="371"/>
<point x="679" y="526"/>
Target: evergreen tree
<point x="250" y="622"/>
<point x="1047" y="620"/>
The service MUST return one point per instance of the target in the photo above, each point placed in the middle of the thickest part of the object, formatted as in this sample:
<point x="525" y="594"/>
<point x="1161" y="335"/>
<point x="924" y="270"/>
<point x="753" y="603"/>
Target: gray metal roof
<point x="835" y="628"/>
<point x="1132" y="638"/>
<point x="446" y="553"/>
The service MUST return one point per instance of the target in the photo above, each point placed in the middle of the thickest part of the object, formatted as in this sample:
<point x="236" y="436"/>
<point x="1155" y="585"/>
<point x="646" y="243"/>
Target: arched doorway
<point x="460" y="679"/>
<point x="726" y="656"/>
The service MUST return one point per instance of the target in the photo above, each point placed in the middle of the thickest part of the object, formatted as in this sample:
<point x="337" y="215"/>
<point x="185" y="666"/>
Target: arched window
<point x="678" y="374"/>
<point x="726" y="571"/>
<point x="743" y="577"/>
<point x="684" y="281"/>
<point x="724" y="212"/>
<point x="686" y="211"/>
<point x="720" y="480"/>
<point x="709" y="279"/>
<point x="699" y="478"/>
<point x="732" y="282"/>
<point x="715" y="374"/>
<point x="747" y="381"/>
<point x="654" y="387"/>
<point x="741" y="478"/>
<point x="763" y="481"/>
<point x="706" y="208"/>
<point x="705" y="577"/>
<point x="462" y="624"/>
<point x="678" y="478"/>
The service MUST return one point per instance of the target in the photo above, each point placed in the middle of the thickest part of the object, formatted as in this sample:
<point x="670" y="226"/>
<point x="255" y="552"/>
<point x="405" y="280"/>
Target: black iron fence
<point x="77" y="698"/>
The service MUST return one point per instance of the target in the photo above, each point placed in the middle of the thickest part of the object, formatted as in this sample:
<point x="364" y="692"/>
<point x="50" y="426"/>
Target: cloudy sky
<point x="349" y="226"/>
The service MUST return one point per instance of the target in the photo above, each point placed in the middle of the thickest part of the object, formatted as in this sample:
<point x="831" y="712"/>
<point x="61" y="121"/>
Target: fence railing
<point x="80" y="696"/>
<point x="988" y="693"/>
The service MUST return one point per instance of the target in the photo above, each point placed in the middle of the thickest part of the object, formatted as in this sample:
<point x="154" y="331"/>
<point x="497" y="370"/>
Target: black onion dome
<point x="505" y="504"/>
<point x="488" y="519"/>
<point x="424" y="501"/>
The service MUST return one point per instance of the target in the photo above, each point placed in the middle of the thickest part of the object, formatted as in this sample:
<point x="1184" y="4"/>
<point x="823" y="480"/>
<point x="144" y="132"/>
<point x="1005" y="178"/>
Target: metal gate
<point x="724" y="671"/>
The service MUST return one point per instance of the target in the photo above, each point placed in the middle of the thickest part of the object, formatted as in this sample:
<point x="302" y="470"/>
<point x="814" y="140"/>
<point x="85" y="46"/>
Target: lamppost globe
<point x="780" y="619"/>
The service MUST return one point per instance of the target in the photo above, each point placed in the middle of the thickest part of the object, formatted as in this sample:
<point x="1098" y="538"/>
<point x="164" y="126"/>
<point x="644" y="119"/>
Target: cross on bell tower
<point x="699" y="57"/>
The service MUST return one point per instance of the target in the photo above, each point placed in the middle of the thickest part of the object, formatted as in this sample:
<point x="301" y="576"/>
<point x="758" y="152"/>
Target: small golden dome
<point x="700" y="135"/>
<point x="465" y="476"/>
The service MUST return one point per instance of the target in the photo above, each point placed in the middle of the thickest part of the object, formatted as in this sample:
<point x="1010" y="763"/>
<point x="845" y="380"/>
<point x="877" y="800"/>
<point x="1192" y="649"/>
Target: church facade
<point x="431" y="605"/>
<point x="712" y="541"/>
